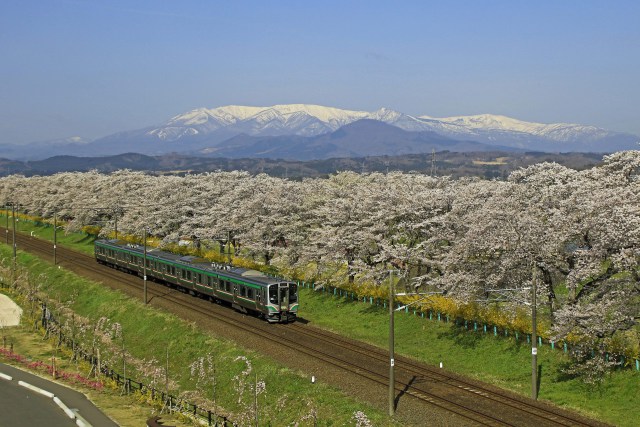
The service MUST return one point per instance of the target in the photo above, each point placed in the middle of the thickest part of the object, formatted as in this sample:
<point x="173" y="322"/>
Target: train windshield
<point x="293" y="292"/>
<point x="273" y="294"/>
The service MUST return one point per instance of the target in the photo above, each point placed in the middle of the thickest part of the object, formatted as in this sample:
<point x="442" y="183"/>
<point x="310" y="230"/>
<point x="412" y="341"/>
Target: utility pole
<point x="433" y="162"/>
<point x="144" y="263"/>
<point x="15" y="245"/>
<point x="534" y="338"/>
<point x="116" y="222"/>
<point x="55" y="237"/>
<point x="7" y="227"/>
<point x="392" y="392"/>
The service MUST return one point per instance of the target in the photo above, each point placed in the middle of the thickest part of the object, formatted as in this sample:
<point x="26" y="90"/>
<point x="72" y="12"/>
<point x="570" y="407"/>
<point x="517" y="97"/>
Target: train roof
<point x="246" y="274"/>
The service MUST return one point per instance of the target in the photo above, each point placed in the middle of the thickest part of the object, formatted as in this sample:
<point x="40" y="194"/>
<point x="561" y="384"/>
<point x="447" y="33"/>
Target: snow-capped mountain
<point x="492" y="127"/>
<point x="296" y="119"/>
<point x="218" y="124"/>
<point x="218" y="130"/>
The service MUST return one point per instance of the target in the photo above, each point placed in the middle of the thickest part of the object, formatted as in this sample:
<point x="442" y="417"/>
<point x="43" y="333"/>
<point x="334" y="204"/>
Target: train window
<point x="293" y="292"/>
<point x="273" y="294"/>
<point x="188" y="275"/>
<point x="243" y="291"/>
<point x="228" y="286"/>
<point x="250" y="293"/>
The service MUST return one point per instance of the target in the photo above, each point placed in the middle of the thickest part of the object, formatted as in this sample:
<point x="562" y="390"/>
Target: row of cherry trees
<point x="577" y="233"/>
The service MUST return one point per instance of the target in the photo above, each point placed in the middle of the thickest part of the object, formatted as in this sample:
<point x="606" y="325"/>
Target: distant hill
<point x="364" y="137"/>
<point x="485" y="164"/>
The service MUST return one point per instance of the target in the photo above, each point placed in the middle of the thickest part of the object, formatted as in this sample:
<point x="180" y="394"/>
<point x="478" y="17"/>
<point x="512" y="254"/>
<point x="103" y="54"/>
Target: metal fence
<point x="130" y="385"/>
<point x="469" y="324"/>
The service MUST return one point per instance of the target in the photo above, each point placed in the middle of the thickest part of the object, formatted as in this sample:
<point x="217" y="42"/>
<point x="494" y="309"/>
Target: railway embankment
<point x="495" y="359"/>
<point x="150" y="346"/>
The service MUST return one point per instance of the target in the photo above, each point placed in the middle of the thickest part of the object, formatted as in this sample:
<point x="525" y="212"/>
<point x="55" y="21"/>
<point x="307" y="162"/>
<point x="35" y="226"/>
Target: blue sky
<point x="91" y="68"/>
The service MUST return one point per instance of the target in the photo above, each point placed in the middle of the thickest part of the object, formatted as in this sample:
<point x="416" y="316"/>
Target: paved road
<point x="20" y="406"/>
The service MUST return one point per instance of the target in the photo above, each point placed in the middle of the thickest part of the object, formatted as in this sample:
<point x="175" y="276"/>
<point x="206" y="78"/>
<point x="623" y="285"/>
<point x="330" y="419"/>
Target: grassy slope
<point x="120" y="408"/>
<point x="500" y="361"/>
<point x="148" y="332"/>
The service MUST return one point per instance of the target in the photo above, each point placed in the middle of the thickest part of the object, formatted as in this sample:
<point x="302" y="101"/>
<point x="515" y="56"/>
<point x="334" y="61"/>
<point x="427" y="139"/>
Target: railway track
<point x="472" y="401"/>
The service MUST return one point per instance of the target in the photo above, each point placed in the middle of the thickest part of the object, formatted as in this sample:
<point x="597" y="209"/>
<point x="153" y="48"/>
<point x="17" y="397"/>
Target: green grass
<point x="503" y="362"/>
<point x="80" y="242"/>
<point x="148" y="333"/>
<point x="29" y="343"/>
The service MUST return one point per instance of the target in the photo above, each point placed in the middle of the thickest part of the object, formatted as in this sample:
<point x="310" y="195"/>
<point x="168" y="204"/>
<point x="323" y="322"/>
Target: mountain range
<point x="305" y="132"/>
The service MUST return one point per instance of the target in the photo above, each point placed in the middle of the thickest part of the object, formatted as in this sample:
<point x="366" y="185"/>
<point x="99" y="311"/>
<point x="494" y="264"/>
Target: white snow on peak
<point x="310" y="120"/>
<point x="491" y="121"/>
<point x="300" y="119"/>
<point x="324" y="114"/>
<point x="234" y="113"/>
<point x="498" y="123"/>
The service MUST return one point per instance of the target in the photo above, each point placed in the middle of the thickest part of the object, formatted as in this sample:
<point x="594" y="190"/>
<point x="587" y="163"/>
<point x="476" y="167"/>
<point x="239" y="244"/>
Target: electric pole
<point x="433" y="162"/>
<point x="144" y="263"/>
<point x="7" y="227"/>
<point x="55" y="237"/>
<point x="392" y="392"/>
<point x="534" y="338"/>
<point x="15" y="245"/>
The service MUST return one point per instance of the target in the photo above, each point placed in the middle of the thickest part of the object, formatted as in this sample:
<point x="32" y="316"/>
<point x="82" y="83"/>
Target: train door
<point x="283" y="295"/>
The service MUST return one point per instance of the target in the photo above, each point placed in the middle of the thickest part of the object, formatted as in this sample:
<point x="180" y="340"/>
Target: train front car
<point x="283" y="302"/>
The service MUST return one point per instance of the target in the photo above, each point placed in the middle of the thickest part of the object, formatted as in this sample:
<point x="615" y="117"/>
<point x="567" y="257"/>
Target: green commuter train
<point x="248" y="291"/>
